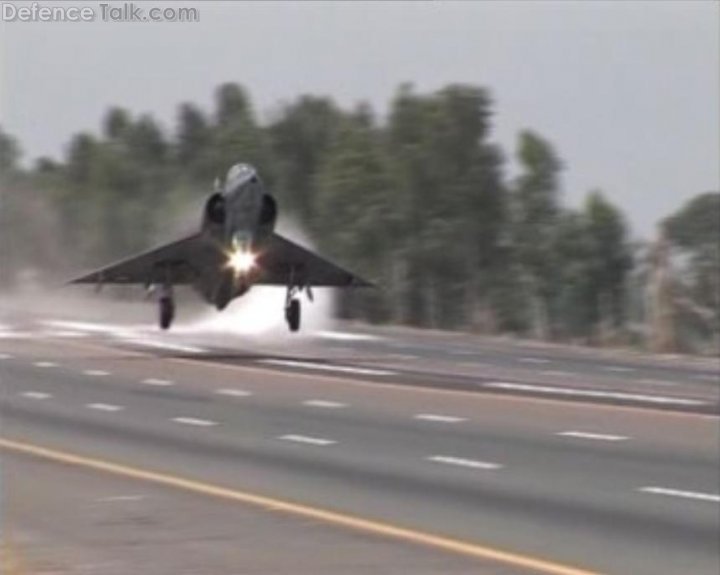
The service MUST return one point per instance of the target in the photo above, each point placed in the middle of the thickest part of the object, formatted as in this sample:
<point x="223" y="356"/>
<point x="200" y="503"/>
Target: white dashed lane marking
<point x="231" y="392"/>
<point x="712" y="497"/>
<point x="119" y="498"/>
<point x="556" y="372"/>
<point x="326" y="367"/>
<point x="96" y="372"/>
<point x="663" y="382"/>
<point x="324" y="403"/>
<point x="535" y="360"/>
<point x="157" y="382"/>
<point x="164" y="345"/>
<point x="618" y="369"/>
<point x="439" y="418"/>
<point x="104" y="407"/>
<point x="636" y="397"/>
<point x="194" y="421"/>
<point x="45" y="364"/>
<point x="595" y="436"/>
<point x="319" y="441"/>
<point x="36" y="395"/>
<point x="5" y="356"/>
<point x="461" y="462"/>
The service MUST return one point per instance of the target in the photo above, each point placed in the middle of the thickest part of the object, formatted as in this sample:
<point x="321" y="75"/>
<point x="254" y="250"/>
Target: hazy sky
<point x="627" y="92"/>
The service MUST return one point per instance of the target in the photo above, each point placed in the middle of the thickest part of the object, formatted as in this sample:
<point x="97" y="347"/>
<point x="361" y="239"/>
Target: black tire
<point x="167" y="312"/>
<point x="292" y="315"/>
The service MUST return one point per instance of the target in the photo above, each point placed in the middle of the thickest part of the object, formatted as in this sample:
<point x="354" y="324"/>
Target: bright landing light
<point x="241" y="261"/>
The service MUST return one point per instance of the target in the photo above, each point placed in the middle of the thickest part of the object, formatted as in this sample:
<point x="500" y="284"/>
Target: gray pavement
<point x="607" y="485"/>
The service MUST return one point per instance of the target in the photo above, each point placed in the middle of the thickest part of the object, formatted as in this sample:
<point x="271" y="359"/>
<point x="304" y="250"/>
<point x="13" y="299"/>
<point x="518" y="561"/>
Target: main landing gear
<point x="292" y="314"/>
<point x="292" y="306"/>
<point x="166" y="304"/>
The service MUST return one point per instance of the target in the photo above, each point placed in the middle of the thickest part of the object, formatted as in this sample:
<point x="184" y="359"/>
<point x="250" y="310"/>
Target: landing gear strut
<point x="166" y="307"/>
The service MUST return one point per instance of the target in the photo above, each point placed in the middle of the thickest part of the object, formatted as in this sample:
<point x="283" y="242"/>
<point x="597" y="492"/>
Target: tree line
<point x="420" y="203"/>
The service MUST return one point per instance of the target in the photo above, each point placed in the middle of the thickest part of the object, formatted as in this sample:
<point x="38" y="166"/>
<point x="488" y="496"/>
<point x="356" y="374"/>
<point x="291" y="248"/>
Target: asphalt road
<point x="391" y="452"/>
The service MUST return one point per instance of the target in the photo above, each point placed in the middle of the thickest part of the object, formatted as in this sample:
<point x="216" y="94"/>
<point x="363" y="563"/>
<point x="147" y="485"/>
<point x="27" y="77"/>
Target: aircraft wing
<point x="283" y="262"/>
<point x="178" y="262"/>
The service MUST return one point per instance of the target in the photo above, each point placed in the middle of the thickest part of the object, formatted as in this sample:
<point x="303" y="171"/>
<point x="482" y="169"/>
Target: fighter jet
<point x="235" y="248"/>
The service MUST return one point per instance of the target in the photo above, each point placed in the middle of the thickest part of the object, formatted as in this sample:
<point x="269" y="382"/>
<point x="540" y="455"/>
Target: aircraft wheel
<point x="292" y="315"/>
<point x="167" y="312"/>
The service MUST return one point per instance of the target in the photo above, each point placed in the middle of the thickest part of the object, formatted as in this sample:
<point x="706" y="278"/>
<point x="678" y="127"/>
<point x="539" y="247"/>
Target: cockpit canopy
<point x="239" y="174"/>
<point x="239" y="170"/>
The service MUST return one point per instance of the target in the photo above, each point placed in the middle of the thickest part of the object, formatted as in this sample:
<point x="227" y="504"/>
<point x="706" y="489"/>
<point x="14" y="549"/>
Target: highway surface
<point x="126" y="450"/>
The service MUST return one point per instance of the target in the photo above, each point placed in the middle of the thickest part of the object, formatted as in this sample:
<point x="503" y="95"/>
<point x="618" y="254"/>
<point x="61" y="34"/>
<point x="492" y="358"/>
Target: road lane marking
<point x="461" y="462"/>
<point x="535" y="360"/>
<point x="377" y="384"/>
<point x="618" y="369"/>
<point x="657" y="399"/>
<point x="62" y="333"/>
<point x="233" y="392"/>
<point x="347" y="336"/>
<point x="650" y="381"/>
<point x="164" y="345"/>
<point x="45" y="364"/>
<point x="308" y="440"/>
<point x="324" y="403"/>
<point x="104" y="407"/>
<point x="448" y="544"/>
<point x="120" y="498"/>
<point x="464" y="352"/>
<point x="556" y="372"/>
<point x="158" y="382"/>
<point x="194" y="421"/>
<point x="96" y="372"/>
<point x="439" y="418"/>
<point x="597" y="436"/>
<point x="5" y="356"/>
<point x="326" y="367"/>
<point x="712" y="497"/>
<point x="36" y="395"/>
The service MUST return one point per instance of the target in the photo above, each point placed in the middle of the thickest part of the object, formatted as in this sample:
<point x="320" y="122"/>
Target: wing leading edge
<point x="177" y="262"/>
<point x="286" y="263"/>
<point x="281" y="262"/>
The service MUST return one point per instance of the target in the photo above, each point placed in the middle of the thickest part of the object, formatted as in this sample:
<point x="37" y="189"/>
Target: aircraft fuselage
<point x="237" y="219"/>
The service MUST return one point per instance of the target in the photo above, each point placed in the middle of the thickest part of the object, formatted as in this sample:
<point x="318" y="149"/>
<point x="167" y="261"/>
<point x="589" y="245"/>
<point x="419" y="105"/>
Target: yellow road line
<point x="332" y="517"/>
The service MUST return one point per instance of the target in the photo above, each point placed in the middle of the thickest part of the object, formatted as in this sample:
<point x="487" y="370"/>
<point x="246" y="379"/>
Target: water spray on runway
<point x="261" y="310"/>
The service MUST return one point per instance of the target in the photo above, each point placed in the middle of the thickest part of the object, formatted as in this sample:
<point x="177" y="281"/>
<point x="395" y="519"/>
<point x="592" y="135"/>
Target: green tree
<point x="452" y="196"/>
<point x="301" y="138"/>
<point x="9" y="153"/>
<point x="194" y="139"/>
<point x="694" y="232"/>
<point x="356" y="214"/>
<point x="536" y="207"/>
<point x="237" y="136"/>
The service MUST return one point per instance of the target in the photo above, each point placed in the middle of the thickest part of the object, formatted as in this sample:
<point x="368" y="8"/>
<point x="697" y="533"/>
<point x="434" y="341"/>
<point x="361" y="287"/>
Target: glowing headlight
<point x="241" y="261"/>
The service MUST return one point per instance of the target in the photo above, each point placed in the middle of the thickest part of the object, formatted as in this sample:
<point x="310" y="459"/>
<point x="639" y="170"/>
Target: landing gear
<point x="166" y="308"/>
<point x="292" y="303"/>
<point x="292" y="314"/>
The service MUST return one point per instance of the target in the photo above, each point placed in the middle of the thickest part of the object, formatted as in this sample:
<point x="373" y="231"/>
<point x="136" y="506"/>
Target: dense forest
<point x="420" y="203"/>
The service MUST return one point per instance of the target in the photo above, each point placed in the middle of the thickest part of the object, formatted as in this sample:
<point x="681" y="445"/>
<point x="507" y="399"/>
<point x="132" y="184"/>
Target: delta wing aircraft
<point x="235" y="248"/>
